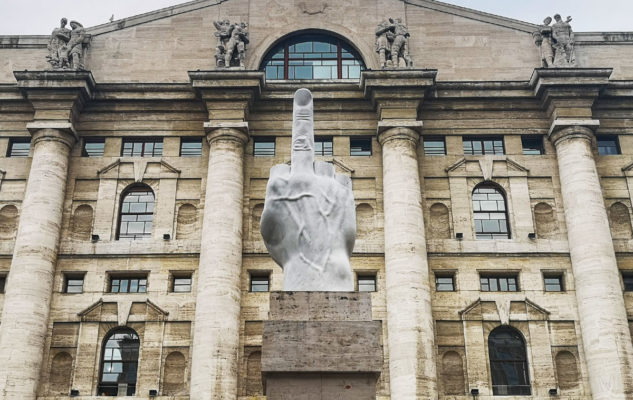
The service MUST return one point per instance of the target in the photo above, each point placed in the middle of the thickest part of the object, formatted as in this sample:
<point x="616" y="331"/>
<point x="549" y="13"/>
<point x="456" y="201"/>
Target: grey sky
<point x="38" y="17"/>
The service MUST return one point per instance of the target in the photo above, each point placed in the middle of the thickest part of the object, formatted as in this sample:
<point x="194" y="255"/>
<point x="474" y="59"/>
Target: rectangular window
<point x="93" y="147"/>
<point x="608" y="145"/>
<point x="142" y="147"/>
<point x="181" y="283"/>
<point x="190" y="147"/>
<point x="493" y="283"/>
<point x="260" y="283"/>
<point x="434" y="146"/>
<point x="3" y="282"/>
<point x="19" y="147"/>
<point x="444" y="283"/>
<point x="553" y="282"/>
<point x="128" y="284"/>
<point x="627" y="279"/>
<point x="532" y="145"/>
<point x="264" y="146"/>
<point x="366" y="283"/>
<point x="73" y="283"/>
<point x="360" y="146"/>
<point x="323" y="146"/>
<point x="477" y="146"/>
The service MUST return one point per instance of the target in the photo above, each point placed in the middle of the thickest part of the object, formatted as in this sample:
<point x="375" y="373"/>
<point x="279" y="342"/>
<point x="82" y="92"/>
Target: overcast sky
<point x="39" y="17"/>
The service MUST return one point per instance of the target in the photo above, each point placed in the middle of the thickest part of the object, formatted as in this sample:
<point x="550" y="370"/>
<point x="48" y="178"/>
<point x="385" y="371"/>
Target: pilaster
<point x="57" y="98"/>
<point x="227" y="96"/>
<point x="568" y="96"/>
<point x="397" y="96"/>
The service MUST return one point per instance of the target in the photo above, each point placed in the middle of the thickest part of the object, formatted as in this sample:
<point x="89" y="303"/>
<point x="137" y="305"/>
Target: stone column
<point x="28" y="292"/>
<point x="411" y="337"/>
<point x="214" y="366"/>
<point x="603" y="319"/>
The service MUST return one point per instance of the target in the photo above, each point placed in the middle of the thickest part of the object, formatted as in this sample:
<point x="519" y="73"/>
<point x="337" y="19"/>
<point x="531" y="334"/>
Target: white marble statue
<point x="309" y="218"/>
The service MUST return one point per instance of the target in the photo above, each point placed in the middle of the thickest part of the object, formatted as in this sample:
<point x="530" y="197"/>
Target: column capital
<point x="565" y="129"/>
<point x="410" y="132"/>
<point x="233" y="131"/>
<point x="56" y="95"/>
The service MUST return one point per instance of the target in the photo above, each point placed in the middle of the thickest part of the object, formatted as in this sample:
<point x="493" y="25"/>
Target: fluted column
<point x="214" y="366"/>
<point x="603" y="319"/>
<point x="411" y="340"/>
<point x="28" y="291"/>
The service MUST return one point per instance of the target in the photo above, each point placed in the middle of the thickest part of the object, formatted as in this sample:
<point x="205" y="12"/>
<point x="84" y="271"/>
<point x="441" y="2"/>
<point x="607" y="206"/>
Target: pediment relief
<point x="122" y="311"/>
<point x="505" y="309"/>
<point x="486" y="167"/>
<point x="139" y="169"/>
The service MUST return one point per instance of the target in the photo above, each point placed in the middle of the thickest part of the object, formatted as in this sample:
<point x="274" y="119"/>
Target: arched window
<point x="312" y="56"/>
<point x="508" y="362"/>
<point x="119" y="364"/>
<point x="490" y="213"/>
<point x="137" y="213"/>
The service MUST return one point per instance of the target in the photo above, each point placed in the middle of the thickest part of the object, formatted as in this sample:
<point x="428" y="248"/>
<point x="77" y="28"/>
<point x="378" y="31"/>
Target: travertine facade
<point x="476" y="77"/>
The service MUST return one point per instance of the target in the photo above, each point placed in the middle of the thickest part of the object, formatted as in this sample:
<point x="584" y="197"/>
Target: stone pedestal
<point x="321" y="345"/>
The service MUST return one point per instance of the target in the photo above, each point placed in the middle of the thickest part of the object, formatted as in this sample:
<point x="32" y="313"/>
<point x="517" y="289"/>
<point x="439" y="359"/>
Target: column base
<point x="321" y="345"/>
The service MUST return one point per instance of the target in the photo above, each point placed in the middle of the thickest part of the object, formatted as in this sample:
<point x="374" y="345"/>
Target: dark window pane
<point x="366" y="283"/>
<point x="360" y="146"/>
<point x="190" y="147"/>
<point x="444" y="284"/>
<point x="532" y="145"/>
<point x="508" y="362"/>
<point x="627" y="279"/>
<point x="74" y="284"/>
<point x="553" y="283"/>
<point x="128" y="285"/>
<point x="142" y="147"/>
<point x="489" y="213"/>
<point x="434" y="146"/>
<point x="491" y="283"/>
<point x="93" y="147"/>
<point x="323" y="146"/>
<point x="312" y="56"/>
<point x="483" y="145"/>
<point x="608" y="145"/>
<point x="260" y="283"/>
<point x="119" y="364"/>
<point x="19" y="147"/>
<point x="182" y="284"/>
<point x="264" y="146"/>
<point x="3" y="281"/>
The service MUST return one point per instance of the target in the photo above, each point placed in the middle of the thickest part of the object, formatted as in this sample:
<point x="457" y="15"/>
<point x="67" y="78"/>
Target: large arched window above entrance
<point x="490" y="212"/>
<point x="508" y="362"/>
<point x="119" y="364"/>
<point x="312" y="56"/>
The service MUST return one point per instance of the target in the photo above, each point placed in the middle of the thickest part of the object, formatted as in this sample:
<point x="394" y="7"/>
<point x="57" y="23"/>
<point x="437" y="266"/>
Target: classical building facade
<point x="492" y="169"/>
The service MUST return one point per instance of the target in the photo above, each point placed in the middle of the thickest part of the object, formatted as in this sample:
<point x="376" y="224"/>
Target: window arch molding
<point x="348" y="51"/>
<point x="508" y="362"/>
<point x="491" y="218"/>
<point x="131" y="217"/>
<point x="118" y="370"/>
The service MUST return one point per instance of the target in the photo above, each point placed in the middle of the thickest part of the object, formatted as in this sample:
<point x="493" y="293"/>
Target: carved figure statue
<point x="556" y="43"/>
<point x="232" y="41"/>
<point x="59" y="38"/>
<point x="392" y="44"/>
<point x="66" y="48"/>
<point x="309" y="220"/>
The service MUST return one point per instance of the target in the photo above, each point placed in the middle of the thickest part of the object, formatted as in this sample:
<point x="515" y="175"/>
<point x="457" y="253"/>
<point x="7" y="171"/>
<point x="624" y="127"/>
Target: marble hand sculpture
<point x="309" y="218"/>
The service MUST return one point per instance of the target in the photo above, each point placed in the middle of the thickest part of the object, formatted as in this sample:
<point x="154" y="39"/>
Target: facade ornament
<point x="232" y="41"/>
<point x="556" y="43"/>
<point x="392" y="44"/>
<point x="66" y="47"/>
